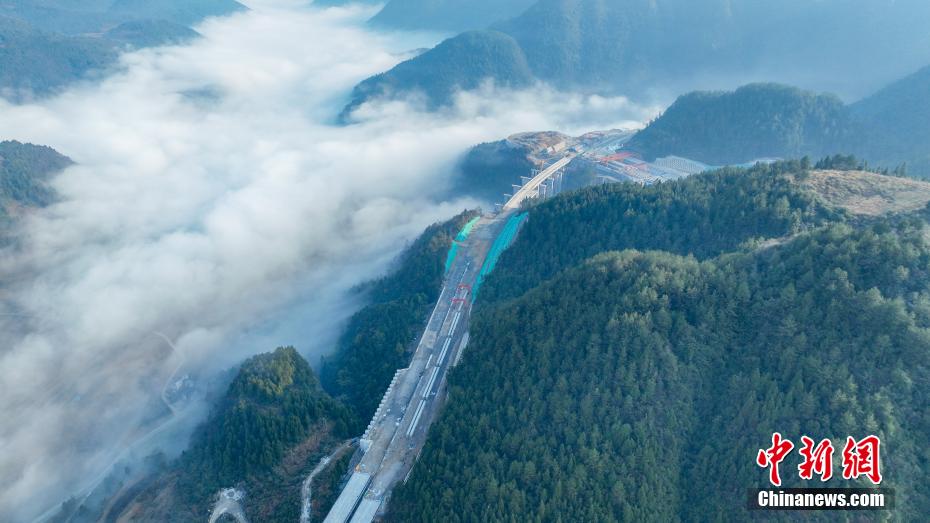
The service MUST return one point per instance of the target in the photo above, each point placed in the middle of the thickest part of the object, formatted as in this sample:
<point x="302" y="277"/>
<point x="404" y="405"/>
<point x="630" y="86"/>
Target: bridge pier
<point x="545" y="183"/>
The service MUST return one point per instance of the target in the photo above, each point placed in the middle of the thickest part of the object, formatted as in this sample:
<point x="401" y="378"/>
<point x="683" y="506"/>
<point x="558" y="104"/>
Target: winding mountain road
<point x="305" y="501"/>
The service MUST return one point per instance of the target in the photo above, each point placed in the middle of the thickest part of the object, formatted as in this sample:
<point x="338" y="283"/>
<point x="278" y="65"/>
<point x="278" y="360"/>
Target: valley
<point x="349" y="261"/>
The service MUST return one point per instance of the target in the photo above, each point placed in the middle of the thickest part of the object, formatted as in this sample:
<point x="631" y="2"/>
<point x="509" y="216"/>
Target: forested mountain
<point x="896" y="121"/>
<point x="330" y="3"/>
<point x="636" y="372"/>
<point x="33" y="61"/>
<point x="275" y="421"/>
<point x="378" y="339"/>
<point x="487" y="170"/>
<point x="702" y="215"/>
<point x="25" y="170"/>
<point x="75" y="17"/>
<point x="274" y="404"/>
<point x="272" y="423"/>
<point x="889" y="129"/>
<point x="636" y="47"/>
<point x="150" y="33"/>
<point x="447" y="15"/>
<point x="186" y="12"/>
<point x="622" y="45"/>
<point x="47" y="44"/>
<point x="755" y="121"/>
<point x="438" y="73"/>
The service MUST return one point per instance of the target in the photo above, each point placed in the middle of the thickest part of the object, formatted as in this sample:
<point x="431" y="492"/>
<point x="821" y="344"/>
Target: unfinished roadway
<point x="398" y="430"/>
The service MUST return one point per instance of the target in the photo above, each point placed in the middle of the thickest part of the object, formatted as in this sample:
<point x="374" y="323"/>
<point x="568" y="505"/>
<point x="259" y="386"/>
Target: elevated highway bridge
<point x="531" y="188"/>
<point x="398" y="429"/>
<point x="397" y="432"/>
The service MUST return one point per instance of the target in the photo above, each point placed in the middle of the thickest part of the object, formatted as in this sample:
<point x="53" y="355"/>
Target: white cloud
<point x="214" y="202"/>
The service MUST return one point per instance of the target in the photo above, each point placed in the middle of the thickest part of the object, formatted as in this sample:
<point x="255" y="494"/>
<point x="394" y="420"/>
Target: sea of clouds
<point x="215" y="211"/>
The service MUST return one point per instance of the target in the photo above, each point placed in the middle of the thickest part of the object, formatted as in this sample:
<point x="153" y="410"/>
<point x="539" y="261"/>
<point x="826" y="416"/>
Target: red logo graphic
<point x="774" y="455"/>
<point x="860" y="458"/>
<point x="819" y="460"/>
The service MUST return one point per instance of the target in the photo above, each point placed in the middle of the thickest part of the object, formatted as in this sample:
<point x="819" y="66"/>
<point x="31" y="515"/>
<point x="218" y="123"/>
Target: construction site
<point x="394" y="438"/>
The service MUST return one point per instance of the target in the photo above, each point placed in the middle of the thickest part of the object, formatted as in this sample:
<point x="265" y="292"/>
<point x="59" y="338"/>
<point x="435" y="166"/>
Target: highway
<point x="397" y="432"/>
<point x="399" y="427"/>
<point x="531" y="187"/>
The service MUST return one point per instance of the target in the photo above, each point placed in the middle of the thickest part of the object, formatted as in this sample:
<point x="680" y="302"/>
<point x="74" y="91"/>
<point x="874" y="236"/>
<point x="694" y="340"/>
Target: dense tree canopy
<point x="755" y="121"/>
<point x="274" y="403"/>
<point x="703" y="215"/>
<point x="488" y="170"/>
<point x="378" y="339"/>
<point x="275" y="422"/>
<point x="45" y="45"/>
<point x="447" y="15"/>
<point x="638" y="47"/>
<point x="896" y="120"/>
<point x="638" y="385"/>
<point x="438" y="74"/>
<point x="25" y="170"/>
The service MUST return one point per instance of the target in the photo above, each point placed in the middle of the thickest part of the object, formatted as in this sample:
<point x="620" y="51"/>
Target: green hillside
<point x="275" y="421"/>
<point x="441" y="71"/>
<point x="755" y="121"/>
<point x="150" y="33"/>
<point x="95" y="16"/>
<point x="488" y="170"/>
<point x="703" y="216"/>
<point x="265" y="433"/>
<point x="638" y="385"/>
<point x="187" y="12"/>
<point x="640" y="48"/>
<point x="622" y="45"/>
<point x="25" y="172"/>
<point x="378" y="339"/>
<point x="897" y="123"/>
<point x="447" y="15"/>
<point x="47" y="45"/>
<point x="33" y="61"/>
<point x="888" y="129"/>
<point x="273" y="404"/>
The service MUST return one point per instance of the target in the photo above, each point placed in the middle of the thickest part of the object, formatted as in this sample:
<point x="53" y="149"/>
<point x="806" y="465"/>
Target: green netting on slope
<point x="463" y="234"/>
<point x="460" y="237"/>
<point x="503" y="240"/>
<point x="451" y="256"/>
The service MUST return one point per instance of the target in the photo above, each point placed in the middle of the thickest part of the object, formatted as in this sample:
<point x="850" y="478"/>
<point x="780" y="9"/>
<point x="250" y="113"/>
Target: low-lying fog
<point x="215" y="207"/>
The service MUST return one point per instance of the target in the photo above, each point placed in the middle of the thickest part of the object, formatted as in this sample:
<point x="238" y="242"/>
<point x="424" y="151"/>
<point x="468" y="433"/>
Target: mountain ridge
<point x="670" y="362"/>
<point x="889" y="129"/>
<point x="45" y="47"/>
<point x="629" y="47"/>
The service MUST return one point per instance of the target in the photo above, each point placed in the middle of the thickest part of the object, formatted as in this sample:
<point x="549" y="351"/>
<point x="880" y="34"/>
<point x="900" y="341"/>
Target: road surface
<point x="305" y="500"/>
<point x="228" y="503"/>
<point x="398" y="431"/>
<point x="531" y="187"/>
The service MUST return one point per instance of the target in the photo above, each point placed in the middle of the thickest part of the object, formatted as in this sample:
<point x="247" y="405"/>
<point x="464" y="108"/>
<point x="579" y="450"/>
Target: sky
<point x="216" y="211"/>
